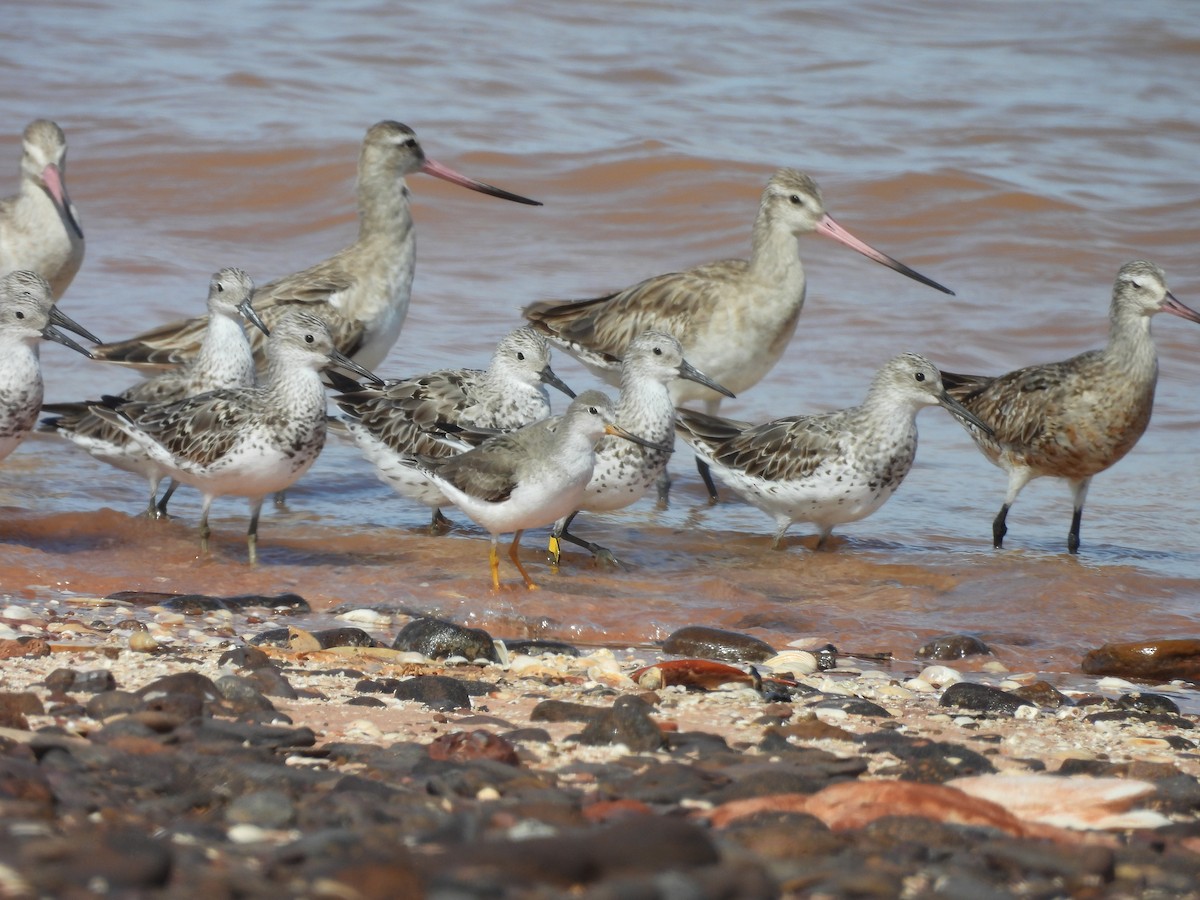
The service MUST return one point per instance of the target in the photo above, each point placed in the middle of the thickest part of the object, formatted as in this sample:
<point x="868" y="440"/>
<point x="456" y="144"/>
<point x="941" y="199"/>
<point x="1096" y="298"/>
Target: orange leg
<point x="494" y="559"/>
<point x="514" y="555"/>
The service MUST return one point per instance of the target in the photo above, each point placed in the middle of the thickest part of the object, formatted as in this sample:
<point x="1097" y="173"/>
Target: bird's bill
<point x="618" y="431"/>
<point x="51" y="333"/>
<point x="1175" y="308"/>
<point x="437" y="170"/>
<point x="342" y="361"/>
<point x="965" y="414"/>
<point x="250" y="314"/>
<point x="828" y="227"/>
<point x="691" y="373"/>
<point x="62" y="320"/>
<point x="52" y="179"/>
<point x="548" y="377"/>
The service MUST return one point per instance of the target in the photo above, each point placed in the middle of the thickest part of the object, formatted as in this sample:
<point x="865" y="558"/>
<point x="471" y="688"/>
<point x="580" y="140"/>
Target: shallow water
<point x="1018" y="152"/>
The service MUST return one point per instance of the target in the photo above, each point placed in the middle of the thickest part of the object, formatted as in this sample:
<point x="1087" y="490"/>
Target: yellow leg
<point x="554" y="548"/>
<point x="494" y="560"/>
<point x="514" y="555"/>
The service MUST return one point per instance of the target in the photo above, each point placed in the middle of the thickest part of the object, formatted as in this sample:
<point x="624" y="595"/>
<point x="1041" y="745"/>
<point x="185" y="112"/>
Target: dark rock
<point x="345" y="637"/>
<point x="540" y="647"/>
<point x="123" y="860"/>
<point x="271" y="682"/>
<point x="377" y="685"/>
<point x="94" y="681"/>
<point x="953" y="646"/>
<point x="628" y="723"/>
<point x="193" y="604"/>
<point x="189" y="684"/>
<point x="1132" y="716"/>
<point x="60" y="680"/>
<point x="562" y="711"/>
<point x="435" y="691"/>
<point x="1148" y="660"/>
<point x="1043" y="694"/>
<point x="785" y="836"/>
<point x="439" y="639"/>
<point x="665" y="783"/>
<point x="365" y="701"/>
<point x="1147" y="703"/>
<point x="982" y="697"/>
<point x="269" y="736"/>
<point x="921" y="759"/>
<point x="245" y="657"/>
<point x="241" y="695"/>
<point x="286" y="602"/>
<point x="854" y="706"/>
<point x="716" y="643"/>
<point x="272" y="637"/>
<point x="1178" y="794"/>
<point x="267" y="809"/>
<point x="528" y="736"/>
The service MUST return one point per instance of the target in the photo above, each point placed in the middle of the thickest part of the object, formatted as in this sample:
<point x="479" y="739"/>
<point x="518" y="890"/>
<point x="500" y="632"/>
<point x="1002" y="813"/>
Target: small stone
<point x="953" y="646"/>
<point x="628" y="723"/>
<point x="1149" y="660"/>
<point x="438" y="639"/>
<point x="464" y="746"/>
<point x="1043" y="694"/>
<point x="15" y="706"/>
<point x="1145" y="702"/>
<point x="982" y="697"/>
<point x="345" y="637"/>
<point x="541" y="647"/>
<point x="265" y="809"/>
<point x="940" y="676"/>
<point x="716" y="643"/>
<point x="435" y="691"/>
<point x="142" y="642"/>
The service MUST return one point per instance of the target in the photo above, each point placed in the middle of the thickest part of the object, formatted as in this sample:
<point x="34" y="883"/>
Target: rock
<point x="628" y="723"/>
<point x="464" y="746"/>
<point x="241" y="694"/>
<point x="562" y="711"/>
<point x="113" y="703"/>
<point x="1148" y="703"/>
<point x="854" y="706"/>
<point x="267" y="809"/>
<point x="439" y="639"/>
<point x="716" y="643"/>
<point x="982" y="697"/>
<point x="345" y="637"/>
<point x="540" y="647"/>
<point x="953" y="646"/>
<point x="246" y="657"/>
<point x="1043" y="694"/>
<point x="435" y="691"/>
<point x="1148" y="660"/>
<point x="16" y="705"/>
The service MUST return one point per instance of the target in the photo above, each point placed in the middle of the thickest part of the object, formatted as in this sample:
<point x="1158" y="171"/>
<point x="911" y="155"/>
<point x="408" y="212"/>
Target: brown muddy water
<point x="1017" y="152"/>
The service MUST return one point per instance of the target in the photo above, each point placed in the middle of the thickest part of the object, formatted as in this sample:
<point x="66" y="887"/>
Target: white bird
<point x="830" y="468"/>
<point x="225" y="360"/>
<point x="247" y="441"/>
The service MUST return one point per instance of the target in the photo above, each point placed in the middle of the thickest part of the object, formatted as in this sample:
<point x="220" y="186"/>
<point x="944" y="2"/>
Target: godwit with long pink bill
<point x="733" y="318"/>
<point x="39" y="227"/>
<point x="831" y="468"/>
<point x="362" y="292"/>
<point x="1073" y="419"/>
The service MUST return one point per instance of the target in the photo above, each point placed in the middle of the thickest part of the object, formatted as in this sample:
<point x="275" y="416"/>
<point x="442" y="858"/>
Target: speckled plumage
<point x="362" y="292"/>
<point x="27" y="317"/>
<point x="40" y="230"/>
<point x="733" y="318"/>
<point x="625" y="471"/>
<point x="527" y="478"/>
<point x="1073" y="419"/>
<point x="248" y="441"/>
<point x="827" y="469"/>
<point x="225" y="360"/>
<point x="433" y="415"/>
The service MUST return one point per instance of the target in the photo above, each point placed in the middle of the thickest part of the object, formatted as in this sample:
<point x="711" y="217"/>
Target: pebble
<point x="1161" y="660"/>
<point x="953" y="646"/>
<point x="716" y="643"/>
<point x="982" y="697"/>
<point x="437" y="639"/>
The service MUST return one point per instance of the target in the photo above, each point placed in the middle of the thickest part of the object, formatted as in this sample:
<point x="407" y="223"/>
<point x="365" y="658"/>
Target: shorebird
<point x="362" y="292"/>
<point x="733" y="318"/>
<point x="624" y="471"/>
<point x="1075" y="418"/>
<point x="224" y="361"/>
<point x="247" y="441"/>
<point x="441" y="413"/>
<point x="530" y="477"/>
<point x="830" y="468"/>
<point x="39" y="227"/>
<point x="27" y="316"/>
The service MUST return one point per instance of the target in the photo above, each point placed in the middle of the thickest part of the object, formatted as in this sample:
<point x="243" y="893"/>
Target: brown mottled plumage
<point x="1073" y="419"/>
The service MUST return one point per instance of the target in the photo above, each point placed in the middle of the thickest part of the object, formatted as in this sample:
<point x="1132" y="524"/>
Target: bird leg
<point x="439" y="524"/>
<point x="494" y="562"/>
<point x="205" y="531"/>
<point x="706" y="476"/>
<point x="160" y="509"/>
<point x="602" y="555"/>
<point x="999" y="529"/>
<point x="252" y="532"/>
<point x="1079" y="489"/>
<point x="514" y="554"/>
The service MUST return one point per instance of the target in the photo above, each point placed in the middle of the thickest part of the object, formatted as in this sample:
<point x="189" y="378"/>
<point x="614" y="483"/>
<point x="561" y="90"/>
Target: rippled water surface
<point x="1018" y="152"/>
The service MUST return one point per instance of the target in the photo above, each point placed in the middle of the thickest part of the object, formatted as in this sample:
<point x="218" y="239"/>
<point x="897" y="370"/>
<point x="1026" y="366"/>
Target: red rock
<point x="1151" y="660"/>
<point x="467" y="745"/>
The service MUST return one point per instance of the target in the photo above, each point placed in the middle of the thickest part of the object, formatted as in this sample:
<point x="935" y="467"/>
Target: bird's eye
<point x="520" y="356"/>
<point x="20" y="315"/>
<point x="796" y="200"/>
<point x="410" y="143"/>
<point x="308" y="339"/>
<point x="920" y="376"/>
<point x="593" y="411"/>
<point x="220" y="288"/>
<point x="658" y="351"/>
